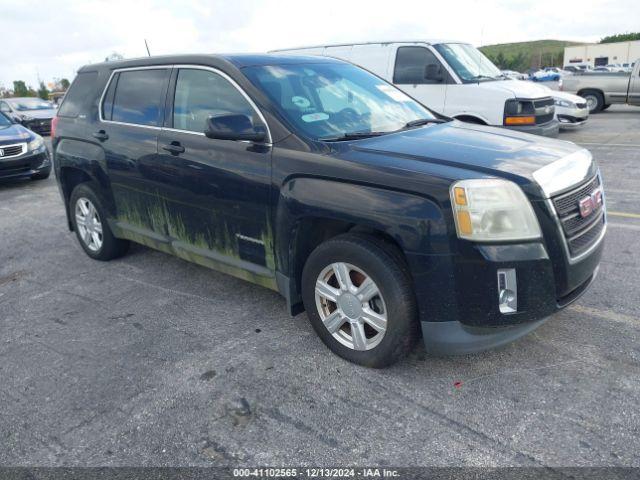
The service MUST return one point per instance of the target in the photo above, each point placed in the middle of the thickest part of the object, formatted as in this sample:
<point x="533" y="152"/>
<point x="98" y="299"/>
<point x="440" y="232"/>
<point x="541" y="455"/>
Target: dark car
<point x="323" y="182"/>
<point x="34" y="113"/>
<point x="22" y="152"/>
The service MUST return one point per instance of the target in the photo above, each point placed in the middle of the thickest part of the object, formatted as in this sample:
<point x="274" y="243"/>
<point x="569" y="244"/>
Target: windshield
<point x="31" y="104"/>
<point x="4" y="121"/>
<point x="328" y="101"/>
<point x="468" y="62"/>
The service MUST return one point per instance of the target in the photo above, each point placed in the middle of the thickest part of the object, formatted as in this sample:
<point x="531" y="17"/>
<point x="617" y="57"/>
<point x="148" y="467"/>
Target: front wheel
<point x="359" y="298"/>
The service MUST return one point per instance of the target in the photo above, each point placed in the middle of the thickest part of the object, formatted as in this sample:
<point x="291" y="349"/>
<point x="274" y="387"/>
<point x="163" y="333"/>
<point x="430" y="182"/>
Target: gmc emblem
<point x="590" y="204"/>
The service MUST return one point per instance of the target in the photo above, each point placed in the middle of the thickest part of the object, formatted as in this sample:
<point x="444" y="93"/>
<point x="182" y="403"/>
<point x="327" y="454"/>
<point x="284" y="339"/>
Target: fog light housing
<point x="507" y="290"/>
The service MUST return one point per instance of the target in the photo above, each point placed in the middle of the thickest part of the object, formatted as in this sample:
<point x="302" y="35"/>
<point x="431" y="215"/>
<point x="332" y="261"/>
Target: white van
<point x="452" y="78"/>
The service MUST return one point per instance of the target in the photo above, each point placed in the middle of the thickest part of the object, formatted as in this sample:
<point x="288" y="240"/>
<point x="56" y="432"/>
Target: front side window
<point x="329" y="100"/>
<point x="416" y="66"/>
<point x="201" y="94"/>
<point x="139" y="97"/>
<point x="4" y="107"/>
<point x="468" y="62"/>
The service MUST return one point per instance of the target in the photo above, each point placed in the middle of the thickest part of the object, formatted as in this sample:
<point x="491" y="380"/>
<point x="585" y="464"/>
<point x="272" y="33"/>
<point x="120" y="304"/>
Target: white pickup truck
<point x="454" y="79"/>
<point x="601" y="89"/>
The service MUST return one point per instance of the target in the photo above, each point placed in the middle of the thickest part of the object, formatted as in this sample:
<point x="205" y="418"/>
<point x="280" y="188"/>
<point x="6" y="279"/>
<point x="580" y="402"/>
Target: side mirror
<point x="433" y="73"/>
<point x="234" y="127"/>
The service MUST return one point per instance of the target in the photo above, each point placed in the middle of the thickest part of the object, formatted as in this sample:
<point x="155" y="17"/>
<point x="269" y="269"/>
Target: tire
<point x="366" y="259"/>
<point x="595" y="100"/>
<point x="109" y="247"/>
<point x="43" y="175"/>
<point x="604" y="107"/>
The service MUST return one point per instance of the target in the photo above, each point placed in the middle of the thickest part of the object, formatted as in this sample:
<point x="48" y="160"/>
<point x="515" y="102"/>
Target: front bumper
<point x="570" y="118"/>
<point x="26" y="165"/>
<point x="458" y="295"/>
<point x="549" y="129"/>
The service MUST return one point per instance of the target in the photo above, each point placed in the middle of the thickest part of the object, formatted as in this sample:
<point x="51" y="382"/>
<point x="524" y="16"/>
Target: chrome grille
<point x="7" y="151"/>
<point x="540" y="109"/>
<point x="580" y="232"/>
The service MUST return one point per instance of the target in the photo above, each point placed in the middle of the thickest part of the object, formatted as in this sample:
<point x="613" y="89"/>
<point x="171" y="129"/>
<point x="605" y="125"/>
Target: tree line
<point x="21" y="89"/>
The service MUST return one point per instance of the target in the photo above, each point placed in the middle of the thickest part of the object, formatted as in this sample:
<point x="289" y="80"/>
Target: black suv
<point x="317" y="179"/>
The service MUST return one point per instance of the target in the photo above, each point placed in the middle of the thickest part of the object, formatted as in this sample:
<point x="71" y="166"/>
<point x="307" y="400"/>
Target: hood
<point x="486" y="150"/>
<point x="568" y="97"/>
<point x="39" y="114"/>
<point x="14" y="133"/>
<point x="516" y="88"/>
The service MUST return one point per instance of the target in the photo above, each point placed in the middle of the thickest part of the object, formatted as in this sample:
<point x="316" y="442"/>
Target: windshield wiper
<point x="423" y="121"/>
<point x="353" y="136"/>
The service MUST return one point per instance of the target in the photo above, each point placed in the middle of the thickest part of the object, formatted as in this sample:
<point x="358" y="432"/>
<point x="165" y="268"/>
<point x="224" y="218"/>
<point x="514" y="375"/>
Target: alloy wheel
<point x="351" y="306"/>
<point x="89" y="224"/>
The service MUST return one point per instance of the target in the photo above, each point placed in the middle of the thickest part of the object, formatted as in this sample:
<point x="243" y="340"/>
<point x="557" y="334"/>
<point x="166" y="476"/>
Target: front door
<point x="217" y="190"/>
<point x="421" y="75"/>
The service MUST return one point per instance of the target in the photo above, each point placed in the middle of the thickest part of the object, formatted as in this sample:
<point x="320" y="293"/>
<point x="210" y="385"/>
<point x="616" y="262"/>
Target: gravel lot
<point x="150" y="360"/>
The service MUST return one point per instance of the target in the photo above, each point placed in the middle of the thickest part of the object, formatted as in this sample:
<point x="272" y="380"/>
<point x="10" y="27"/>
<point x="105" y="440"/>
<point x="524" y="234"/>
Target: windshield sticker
<point x="394" y="93"/>
<point x="314" y="117"/>
<point x="300" y="102"/>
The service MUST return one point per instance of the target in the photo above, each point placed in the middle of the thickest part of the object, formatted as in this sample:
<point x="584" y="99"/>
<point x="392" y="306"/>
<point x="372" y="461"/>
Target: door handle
<point x="101" y="135"/>
<point x="174" y="147"/>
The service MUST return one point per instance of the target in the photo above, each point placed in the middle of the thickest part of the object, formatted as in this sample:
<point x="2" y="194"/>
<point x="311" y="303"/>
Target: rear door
<point x="420" y="73"/>
<point x="131" y="114"/>
<point x="217" y="190"/>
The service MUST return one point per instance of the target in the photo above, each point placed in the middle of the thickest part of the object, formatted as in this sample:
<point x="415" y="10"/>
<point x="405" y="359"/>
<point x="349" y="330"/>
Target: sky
<point x="44" y="39"/>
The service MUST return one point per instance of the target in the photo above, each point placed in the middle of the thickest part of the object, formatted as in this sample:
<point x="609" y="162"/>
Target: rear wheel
<point x="360" y="300"/>
<point x="595" y="100"/>
<point x="89" y="222"/>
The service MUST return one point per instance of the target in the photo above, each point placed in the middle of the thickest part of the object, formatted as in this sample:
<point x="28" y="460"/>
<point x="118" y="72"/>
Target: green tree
<point x="20" y="89"/>
<point x="621" y="37"/>
<point x="43" y="91"/>
<point x="64" y="83"/>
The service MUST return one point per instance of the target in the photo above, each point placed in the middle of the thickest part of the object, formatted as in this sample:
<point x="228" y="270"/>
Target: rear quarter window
<point x="78" y="99"/>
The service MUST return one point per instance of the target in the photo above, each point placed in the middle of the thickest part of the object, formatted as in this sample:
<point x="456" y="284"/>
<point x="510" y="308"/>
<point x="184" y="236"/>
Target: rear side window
<point x="138" y="97"/>
<point x="418" y="65"/>
<point x="78" y="99"/>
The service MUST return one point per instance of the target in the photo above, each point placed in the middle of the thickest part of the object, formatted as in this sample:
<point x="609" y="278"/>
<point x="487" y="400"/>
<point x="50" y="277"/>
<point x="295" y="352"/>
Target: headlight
<point x="35" y="144"/>
<point x="564" y="103"/>
<point x="519" y="112"/>
<point x="489" y="210"/>
<point x="25" y="118"/>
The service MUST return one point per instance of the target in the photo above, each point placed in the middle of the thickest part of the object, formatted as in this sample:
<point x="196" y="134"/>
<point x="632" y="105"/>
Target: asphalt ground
<point x="152" y="361"/>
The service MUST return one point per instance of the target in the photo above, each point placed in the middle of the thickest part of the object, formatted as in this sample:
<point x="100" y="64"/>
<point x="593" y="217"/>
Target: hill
<point x="524" y="55"/>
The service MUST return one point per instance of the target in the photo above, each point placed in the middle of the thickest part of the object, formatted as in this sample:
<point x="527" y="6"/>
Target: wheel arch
<point x="307" y="216"/>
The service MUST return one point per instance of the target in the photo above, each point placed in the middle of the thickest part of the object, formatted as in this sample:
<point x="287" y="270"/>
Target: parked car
<point x="600" y="90"/>
<point x="33" y="113"/>
<point x="602" y="69"/>
<point x="545" y="76"/>
<point x="454" y="79"/>
<point x="571" y="110"/>
<point x="23" y="153"/>
<point x="321" y="181"/>
<point x="513" y="75"/>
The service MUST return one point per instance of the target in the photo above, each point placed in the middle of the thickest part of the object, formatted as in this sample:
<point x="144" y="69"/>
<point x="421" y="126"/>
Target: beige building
<point x="602" y="53"/>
